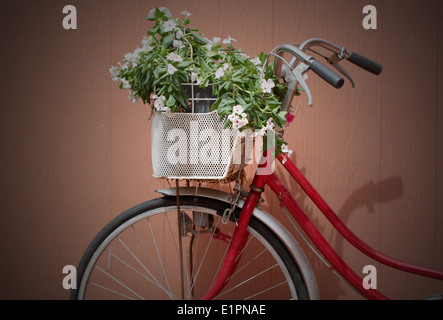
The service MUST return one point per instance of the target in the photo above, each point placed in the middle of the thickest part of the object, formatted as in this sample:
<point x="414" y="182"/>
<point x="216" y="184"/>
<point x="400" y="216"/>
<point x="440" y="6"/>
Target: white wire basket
<point x="194" y="146"/>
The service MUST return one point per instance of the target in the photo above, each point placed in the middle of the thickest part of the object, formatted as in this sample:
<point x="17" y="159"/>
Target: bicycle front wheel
<point x="153" y="251"/>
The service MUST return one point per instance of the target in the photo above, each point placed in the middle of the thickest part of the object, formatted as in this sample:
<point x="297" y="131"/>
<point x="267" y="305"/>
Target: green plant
<point x="248" y="94"/>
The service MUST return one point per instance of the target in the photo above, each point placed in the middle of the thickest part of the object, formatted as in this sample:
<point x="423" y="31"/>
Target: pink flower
<point x="289" y="118"/>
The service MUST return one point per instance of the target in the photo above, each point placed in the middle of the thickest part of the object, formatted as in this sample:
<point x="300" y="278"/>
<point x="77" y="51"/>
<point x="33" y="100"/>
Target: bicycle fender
<point x="272" y="223"/>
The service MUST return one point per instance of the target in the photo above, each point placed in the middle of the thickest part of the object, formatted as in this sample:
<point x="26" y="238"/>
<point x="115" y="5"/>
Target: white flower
<point x="133" y="97"/>
<point x="267" y="85"/>
<point x="225" y="66"/>
<point x="228" y="40"/>
<point x="194" y="77"/>
<point x="151" y="14"/>
<point x="167" y="110"/>
<point x="158" y="102"/>
<point x="238" y="109"/>
<point x="134" y="56"/>
<point x="171" y="69"/>
<point x="126" y="84"/>
<point x="169" y="25"/>
<point x="177" y="44"/>
<point x="238" y="118"/>
<point x="185" y="13"/>
<point x="213" y="42"/>
<point x="219" y="73"/>
<point x="262" y="132"/>
<point x="285" y="149"/>
<point x="174" y="57"/>
<point x="233" y="117"/>
<point x="209" y="45"/>
<point x="113" y="72"/>
<point x="178" y="33"/>
<point x="238" y="123"/>
<point x="270" y="124"/>
<point x="128" y="56"/>
<point x="256" y="61"/>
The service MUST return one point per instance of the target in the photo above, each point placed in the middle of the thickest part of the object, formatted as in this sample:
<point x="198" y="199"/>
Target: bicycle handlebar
<point x="365" y="63"/>
<point x="327" y="74"/>
<point x="300" y="63"/>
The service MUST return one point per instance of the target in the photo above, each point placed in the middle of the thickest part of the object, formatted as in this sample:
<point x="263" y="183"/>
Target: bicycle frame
<point x="286" y="200"/>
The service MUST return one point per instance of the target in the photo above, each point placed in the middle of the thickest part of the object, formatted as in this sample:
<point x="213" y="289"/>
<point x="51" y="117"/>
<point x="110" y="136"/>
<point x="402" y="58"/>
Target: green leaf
<point x="167" y="40"/>
<point x="198" y="38"/>
<point x="216" y="104"/>
<point x="282" y="114"/>
<point x="170" y="102"/>
<point x="184" y="64"/>
<point x="239" y="58"/>
<point x="211" y="54"/>
<point x="240" y="101"/>
<point x="160" y="79"/>
<point x="280" y="121"/>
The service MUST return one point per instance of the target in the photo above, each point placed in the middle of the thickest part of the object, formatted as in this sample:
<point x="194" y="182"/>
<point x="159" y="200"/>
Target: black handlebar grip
<point x="327" y="74"/>
<point x="365" y="63"/>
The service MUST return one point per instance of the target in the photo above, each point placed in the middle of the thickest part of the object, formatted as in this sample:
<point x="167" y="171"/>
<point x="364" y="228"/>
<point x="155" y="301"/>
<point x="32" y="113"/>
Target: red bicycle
<point x="202" y="243"/>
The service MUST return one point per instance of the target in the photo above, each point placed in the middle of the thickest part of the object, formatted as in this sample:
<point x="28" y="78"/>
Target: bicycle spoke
<point x="172" y="233"/>
<point x="206" y="251"/>
<point x="110" y="290"/>
<point x="153" y="280"/>
<point x="248" y="263"/>
<point x="221" y="260"/>
<point x="158" y="255"/>
<point x="247" y="280"/>
<point x="266" y="290"/>
<point x="151" y="259"/>
<point x="119" y="282"/>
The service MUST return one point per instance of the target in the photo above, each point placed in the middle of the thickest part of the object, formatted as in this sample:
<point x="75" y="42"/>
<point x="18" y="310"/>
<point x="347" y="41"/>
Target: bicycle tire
<point x="293" y="284"/>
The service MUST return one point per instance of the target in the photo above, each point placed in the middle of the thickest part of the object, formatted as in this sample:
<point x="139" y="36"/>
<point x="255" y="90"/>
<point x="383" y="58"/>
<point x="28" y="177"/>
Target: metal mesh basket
<point x="194" y="145"/>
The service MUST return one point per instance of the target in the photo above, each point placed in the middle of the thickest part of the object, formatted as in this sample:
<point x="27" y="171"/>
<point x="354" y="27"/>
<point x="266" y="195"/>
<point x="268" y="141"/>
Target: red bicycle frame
<point x="286" y="200"/>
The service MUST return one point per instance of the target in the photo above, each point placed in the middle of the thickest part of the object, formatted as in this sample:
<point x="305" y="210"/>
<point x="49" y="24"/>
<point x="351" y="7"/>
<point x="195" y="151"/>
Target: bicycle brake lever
<point x="334" y="61"/>
<point x="298" y="75"/>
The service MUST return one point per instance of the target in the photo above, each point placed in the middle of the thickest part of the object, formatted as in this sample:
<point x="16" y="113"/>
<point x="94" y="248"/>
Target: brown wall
<point x="75" y="150"/>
